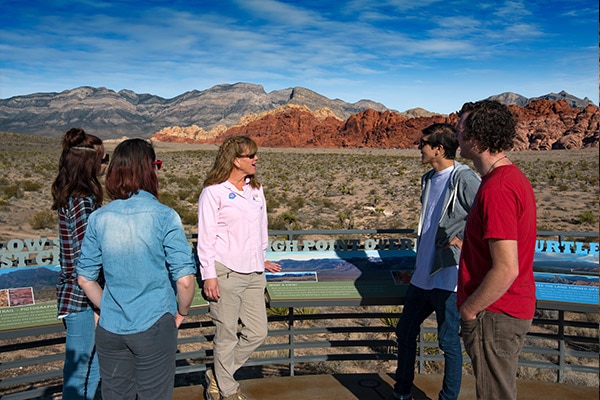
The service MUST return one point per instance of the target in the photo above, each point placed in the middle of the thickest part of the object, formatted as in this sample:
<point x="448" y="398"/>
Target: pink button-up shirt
<point x="232" y="229"/>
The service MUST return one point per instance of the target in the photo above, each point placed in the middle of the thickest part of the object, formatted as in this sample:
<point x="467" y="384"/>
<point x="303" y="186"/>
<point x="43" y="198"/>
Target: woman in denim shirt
<point x="76" y="193"/>
<point x="147" y="261"/>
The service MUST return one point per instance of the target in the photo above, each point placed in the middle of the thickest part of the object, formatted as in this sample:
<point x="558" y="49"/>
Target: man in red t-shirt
<point x="496" y="287"/>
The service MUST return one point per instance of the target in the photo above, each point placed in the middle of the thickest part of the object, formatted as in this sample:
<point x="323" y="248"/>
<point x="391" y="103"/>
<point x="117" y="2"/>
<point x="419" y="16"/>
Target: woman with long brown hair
<point x="76" y="193"/>
<point x="149" y="270"/>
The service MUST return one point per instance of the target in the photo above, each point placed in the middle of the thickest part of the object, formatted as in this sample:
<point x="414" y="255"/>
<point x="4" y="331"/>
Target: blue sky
<point x="403" y="53"/>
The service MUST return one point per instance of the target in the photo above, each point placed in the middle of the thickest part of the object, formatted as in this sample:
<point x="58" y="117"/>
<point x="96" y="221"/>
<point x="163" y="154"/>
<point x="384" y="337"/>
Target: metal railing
<point x="563" y="339"/>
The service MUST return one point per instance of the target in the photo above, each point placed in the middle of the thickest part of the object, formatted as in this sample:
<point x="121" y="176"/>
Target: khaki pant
<point x="494" y="342"/>
<point x="242" y="300"/>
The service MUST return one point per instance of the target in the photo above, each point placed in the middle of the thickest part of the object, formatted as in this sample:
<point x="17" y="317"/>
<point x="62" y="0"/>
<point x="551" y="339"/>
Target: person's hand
<point x="455" y="242"/>
<point x="211" y="289"/>
<point x="466" y="315"/>
<point x="178" y="319"/>
<point x="272" y="267"/>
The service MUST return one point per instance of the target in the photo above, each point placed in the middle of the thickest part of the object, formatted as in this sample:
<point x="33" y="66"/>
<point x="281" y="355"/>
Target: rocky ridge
<point x="541" y="125"/>
<point x="111" y="114"/>
<point x="294" y="117"/>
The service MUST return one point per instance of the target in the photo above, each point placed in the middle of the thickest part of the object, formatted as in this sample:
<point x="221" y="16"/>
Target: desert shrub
<point x="272" y="203"/>
<point x="168" y="199"/>
<point x="284" y="221"/>
<point x="44" y="219"/>
<point x="345" y="220"/>
<point x="297" y="203"/>
<point x="188" y="217"/>
<point x="391" y="321"/>
<point x="327" y="203"/>
<point x="10" y="191"/>
<point x="283" y="311"/>
<point x="186" y="194"/>
<point x="345" y="189"/>
<point x="586" y="217"/>
<point x="31" y="186"/>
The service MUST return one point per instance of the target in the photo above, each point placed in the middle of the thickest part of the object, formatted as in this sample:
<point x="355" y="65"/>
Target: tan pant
<point x="242" y="300"/>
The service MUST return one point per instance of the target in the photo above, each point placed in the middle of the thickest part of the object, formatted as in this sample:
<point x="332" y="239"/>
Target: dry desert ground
<point x="305" y="188"/>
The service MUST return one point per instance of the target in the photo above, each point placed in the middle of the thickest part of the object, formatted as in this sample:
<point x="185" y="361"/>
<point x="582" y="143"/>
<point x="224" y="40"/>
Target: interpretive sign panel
<point x="350" y="277"/>
<point x="380" y="277"/>
<point x="566" y="277"/>
<point x="351" y="272"/>
<point x="29" y="272"/>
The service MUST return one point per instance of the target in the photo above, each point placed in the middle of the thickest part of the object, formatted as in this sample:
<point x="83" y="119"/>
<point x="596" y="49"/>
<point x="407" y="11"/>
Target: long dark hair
<point x="230" y="149"/>
<point x="78" y="168"/>
<point x="131" y="169"/>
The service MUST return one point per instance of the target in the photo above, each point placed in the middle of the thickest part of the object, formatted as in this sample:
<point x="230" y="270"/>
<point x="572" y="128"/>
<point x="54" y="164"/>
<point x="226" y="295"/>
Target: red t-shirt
<point x="504" y="208"/>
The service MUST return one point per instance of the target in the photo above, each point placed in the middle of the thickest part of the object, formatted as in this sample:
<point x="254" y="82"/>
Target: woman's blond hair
<point x="232" y="148"/>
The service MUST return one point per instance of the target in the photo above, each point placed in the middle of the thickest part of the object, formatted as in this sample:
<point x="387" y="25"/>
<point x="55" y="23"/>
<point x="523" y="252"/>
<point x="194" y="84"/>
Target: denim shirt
<point x="142" y="248"/>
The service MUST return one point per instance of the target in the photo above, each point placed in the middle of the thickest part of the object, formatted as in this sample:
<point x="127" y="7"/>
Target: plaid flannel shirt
<point x="72" y="223"/>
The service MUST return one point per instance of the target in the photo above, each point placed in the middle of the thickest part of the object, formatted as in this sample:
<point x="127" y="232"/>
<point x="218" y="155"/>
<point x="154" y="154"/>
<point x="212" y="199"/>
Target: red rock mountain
<point x="541" y="125"/>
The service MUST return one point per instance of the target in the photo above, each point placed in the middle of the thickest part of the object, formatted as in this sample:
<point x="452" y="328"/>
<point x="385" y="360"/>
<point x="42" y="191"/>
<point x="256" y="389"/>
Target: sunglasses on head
<point x="157" y="164"/>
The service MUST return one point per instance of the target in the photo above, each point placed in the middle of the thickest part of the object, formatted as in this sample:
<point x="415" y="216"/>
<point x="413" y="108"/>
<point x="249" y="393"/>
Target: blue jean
<point x="138" y="365"/>
<point x="418" y="306"/>
<point x="81" y="373"/>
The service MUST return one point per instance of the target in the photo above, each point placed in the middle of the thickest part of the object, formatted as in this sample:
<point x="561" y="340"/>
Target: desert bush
<point x="188" y="217"/>
<point x="296" y="203"/>
<point x="284" y="221"/>
<point x="272" y="203"/>
<point x="45" y="219"/>
<point x="12" y="191"/>
<point x="31" y="186"/>
<point x="587" y="217"/>
<point x="168" y="199"/>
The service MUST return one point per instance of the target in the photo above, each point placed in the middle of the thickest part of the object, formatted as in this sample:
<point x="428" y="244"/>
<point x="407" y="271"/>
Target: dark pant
<point x="494" y="342"/>
<point x="141" y="364"/>
<point x="418" y="306"/>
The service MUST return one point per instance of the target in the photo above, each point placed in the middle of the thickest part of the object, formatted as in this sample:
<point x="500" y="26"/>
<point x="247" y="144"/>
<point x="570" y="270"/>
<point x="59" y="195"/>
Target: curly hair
<point x="230" y="149"/>
<point x="491" y="123"/>
<point x="78" y="168"/>
<point x="131" y="169"/>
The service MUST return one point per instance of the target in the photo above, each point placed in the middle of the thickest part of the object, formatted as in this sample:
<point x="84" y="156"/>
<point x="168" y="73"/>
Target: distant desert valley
<point x="306" y="188"/>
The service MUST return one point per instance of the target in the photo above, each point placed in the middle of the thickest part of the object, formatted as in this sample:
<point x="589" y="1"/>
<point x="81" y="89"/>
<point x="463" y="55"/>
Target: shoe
<point x="212" y="390"/>
<point x="395" y="396"/>
<point x="238" y="395"/>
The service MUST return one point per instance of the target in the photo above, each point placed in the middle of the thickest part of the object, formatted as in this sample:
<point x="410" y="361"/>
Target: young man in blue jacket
<point x="448" y="190"/>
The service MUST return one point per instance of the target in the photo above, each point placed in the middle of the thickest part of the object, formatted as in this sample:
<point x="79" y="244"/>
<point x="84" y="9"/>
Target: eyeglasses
<point x="423" y="143"/>
<point x="105" y="159"/>
<point x="158" y="164"/>
<point x="250" y="156"/>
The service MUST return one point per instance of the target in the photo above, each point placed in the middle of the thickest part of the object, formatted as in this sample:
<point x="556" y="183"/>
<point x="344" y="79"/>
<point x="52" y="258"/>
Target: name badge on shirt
<point x="255" y="197"/>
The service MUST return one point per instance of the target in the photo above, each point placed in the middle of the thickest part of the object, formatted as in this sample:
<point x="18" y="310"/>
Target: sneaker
<point x="212" y="390"/>
<point x="238" y="395"/>
<point x="396" y="396"/>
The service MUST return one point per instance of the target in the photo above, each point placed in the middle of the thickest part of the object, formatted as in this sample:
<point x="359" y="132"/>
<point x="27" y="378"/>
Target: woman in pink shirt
<point x="232" y="246"/>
